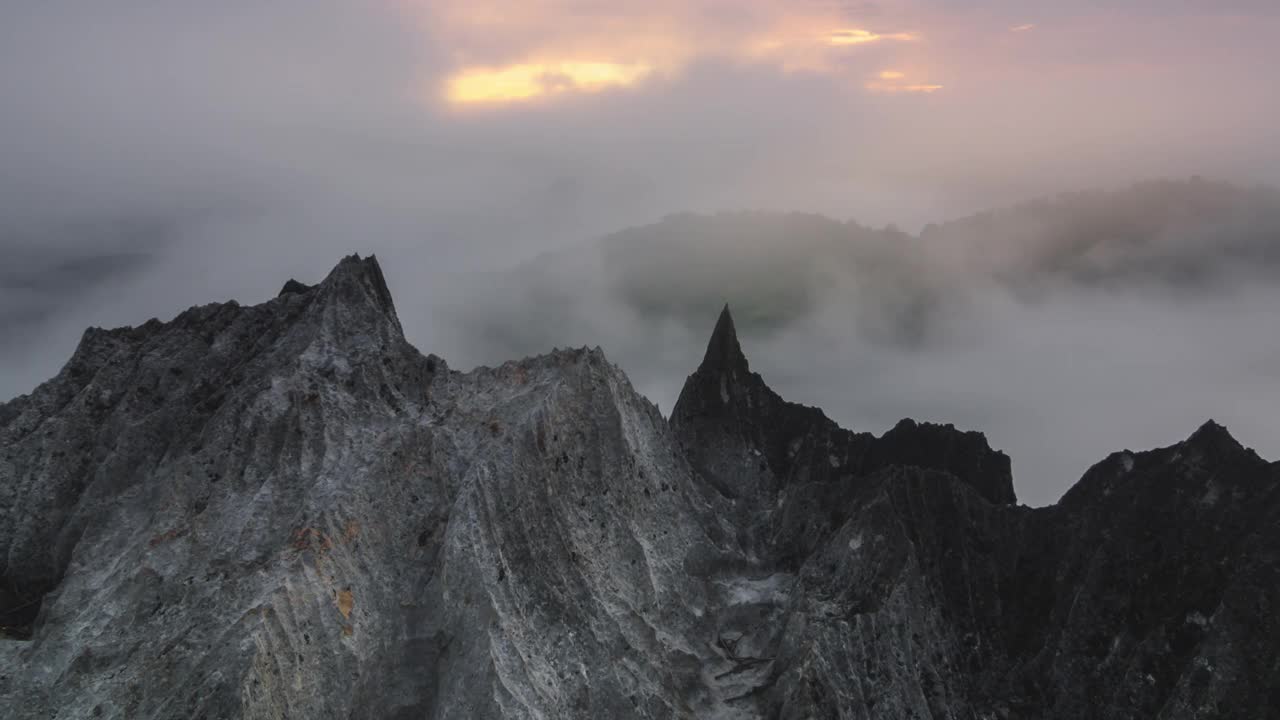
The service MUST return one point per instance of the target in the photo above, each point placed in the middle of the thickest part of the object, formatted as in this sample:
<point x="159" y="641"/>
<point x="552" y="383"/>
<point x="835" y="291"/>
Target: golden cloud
<point x="890" y="81"/>
<point x="527" y="81"/>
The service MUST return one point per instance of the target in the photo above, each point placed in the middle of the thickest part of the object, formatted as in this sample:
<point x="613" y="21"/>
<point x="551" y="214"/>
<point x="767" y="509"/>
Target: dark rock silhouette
<point x="285" y="510"/>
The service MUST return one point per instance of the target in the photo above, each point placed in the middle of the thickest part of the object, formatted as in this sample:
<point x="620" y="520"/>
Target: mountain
<point x="285" y="510"/>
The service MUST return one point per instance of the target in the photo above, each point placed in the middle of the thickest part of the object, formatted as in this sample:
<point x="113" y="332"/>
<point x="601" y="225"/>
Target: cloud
<point x="1025" y="27"/>
<point x="1192" y="239"/>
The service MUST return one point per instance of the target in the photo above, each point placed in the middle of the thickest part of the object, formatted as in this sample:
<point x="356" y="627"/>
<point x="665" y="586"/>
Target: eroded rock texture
<point x="286" y="511"/>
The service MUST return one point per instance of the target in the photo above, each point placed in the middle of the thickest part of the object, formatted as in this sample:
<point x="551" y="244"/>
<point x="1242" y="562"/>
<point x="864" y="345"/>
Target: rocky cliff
<point x="286" y="511"/>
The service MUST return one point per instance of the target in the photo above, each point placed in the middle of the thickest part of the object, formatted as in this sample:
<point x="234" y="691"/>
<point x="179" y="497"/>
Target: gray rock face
<point x="286" y="511"/>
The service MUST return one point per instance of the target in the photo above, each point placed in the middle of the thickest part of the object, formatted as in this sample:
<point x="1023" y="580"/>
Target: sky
<point x="156" y="155"/>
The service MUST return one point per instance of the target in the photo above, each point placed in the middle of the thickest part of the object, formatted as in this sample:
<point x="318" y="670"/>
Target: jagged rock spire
<point x="723" y="381"/>
<point x="723" y="350"/>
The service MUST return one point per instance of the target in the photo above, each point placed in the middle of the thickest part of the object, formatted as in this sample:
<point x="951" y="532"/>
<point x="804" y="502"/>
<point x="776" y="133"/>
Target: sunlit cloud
<point x="1023" y="28"/>
<point x="892" y="81"/>
<point x="528" y="81"/>
<point x="859" y="36"/>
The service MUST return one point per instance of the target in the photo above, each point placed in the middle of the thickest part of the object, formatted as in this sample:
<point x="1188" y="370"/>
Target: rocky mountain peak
<point x="1213" y="437"/>
<point x="964" y="454"/>
<point x="355" y="280"/>
<point x="293" y="287"/>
